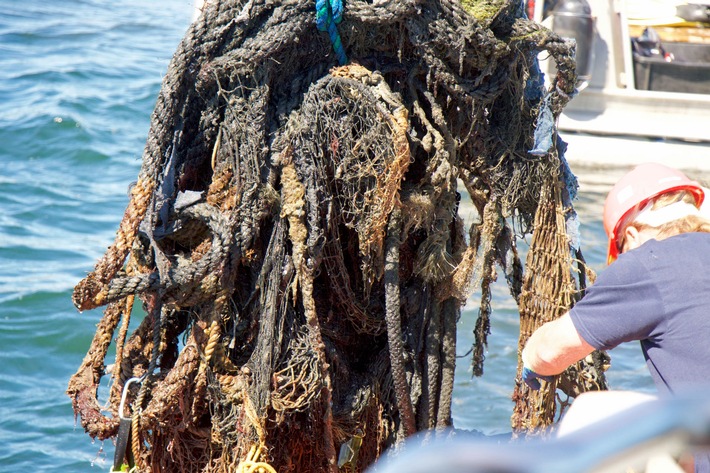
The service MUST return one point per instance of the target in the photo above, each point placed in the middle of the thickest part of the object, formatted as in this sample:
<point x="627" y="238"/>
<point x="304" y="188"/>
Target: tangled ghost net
<point x="294" y="234"/>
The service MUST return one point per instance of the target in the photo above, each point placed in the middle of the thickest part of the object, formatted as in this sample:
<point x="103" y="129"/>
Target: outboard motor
<point x="572" y="19"/>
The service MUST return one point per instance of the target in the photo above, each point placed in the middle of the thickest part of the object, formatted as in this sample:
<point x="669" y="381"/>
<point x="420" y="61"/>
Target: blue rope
<point x="328" y="14"/>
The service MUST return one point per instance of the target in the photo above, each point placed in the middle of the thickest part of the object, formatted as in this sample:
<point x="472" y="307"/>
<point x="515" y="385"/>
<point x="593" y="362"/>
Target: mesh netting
<point x="294" y="235"/>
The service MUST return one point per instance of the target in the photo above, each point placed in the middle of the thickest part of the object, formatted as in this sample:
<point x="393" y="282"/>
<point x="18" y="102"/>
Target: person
<point x="656" y="289"/>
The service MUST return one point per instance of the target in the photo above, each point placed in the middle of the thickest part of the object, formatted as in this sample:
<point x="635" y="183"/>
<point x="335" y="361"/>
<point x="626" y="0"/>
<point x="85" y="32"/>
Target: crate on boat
<point x="687" y="71"/>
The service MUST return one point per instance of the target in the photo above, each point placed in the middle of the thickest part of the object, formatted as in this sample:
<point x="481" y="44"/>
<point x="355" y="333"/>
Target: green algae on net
<point x="295" y="241"/>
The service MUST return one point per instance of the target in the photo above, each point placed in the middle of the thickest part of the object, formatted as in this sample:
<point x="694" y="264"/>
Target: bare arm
<point x="555" y="346"/>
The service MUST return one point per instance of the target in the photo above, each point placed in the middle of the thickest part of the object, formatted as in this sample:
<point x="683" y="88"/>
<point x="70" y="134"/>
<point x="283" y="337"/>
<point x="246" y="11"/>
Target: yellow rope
<point x="213" y="339"/>
<point x="250" y="465"/>
<point x="136" y="439"/>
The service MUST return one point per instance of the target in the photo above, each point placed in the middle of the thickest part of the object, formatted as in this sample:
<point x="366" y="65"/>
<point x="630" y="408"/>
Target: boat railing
<point x="620" y="443"/>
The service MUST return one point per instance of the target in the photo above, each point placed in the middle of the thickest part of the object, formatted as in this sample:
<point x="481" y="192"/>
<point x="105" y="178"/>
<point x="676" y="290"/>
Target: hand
<point x="532" y="379"/>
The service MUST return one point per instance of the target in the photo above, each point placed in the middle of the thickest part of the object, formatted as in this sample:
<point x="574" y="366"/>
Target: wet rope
<point x="260" y="217"/>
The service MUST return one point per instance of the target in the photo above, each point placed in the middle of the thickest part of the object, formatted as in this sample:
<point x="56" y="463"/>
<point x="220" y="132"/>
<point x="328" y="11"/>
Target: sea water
<point x="78" y="82"/>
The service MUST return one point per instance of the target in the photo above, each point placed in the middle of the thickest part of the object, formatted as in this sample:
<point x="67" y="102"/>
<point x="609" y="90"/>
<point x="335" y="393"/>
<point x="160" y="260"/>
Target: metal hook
<point x="124" y="395"/>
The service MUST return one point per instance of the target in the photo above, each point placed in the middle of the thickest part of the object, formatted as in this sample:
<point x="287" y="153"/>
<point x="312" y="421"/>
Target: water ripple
<point x="78" y="81"/>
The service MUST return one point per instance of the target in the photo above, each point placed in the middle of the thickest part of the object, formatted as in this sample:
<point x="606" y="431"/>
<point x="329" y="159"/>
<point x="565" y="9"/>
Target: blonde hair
<point x="687" y="224"/>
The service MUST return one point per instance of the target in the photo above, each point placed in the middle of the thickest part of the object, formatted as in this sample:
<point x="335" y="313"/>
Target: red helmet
<point x="635" y="189"/>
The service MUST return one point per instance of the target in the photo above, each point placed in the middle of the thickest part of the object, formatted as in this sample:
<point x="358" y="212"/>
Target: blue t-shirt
<point x="658" y="294"/>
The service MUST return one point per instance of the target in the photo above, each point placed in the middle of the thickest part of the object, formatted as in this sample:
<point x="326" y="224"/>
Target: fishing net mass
<point x="294" y="234"/>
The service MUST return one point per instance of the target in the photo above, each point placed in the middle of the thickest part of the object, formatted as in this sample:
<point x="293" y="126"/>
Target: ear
<point x="632" y="238"/>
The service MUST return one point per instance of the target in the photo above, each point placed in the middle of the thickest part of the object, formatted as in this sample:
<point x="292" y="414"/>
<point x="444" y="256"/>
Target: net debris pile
<point x="294" y="236"/>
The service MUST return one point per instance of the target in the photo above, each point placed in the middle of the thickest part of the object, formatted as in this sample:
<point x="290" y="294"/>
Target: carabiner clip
<point x="124" y="395"/>
<point x="124" y="432"/>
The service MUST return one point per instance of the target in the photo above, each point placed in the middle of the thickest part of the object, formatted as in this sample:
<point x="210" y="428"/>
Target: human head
<point x="634" y="193"/>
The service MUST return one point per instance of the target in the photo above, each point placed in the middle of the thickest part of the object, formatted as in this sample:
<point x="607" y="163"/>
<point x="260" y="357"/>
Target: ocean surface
<point x="78" y="82"/>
